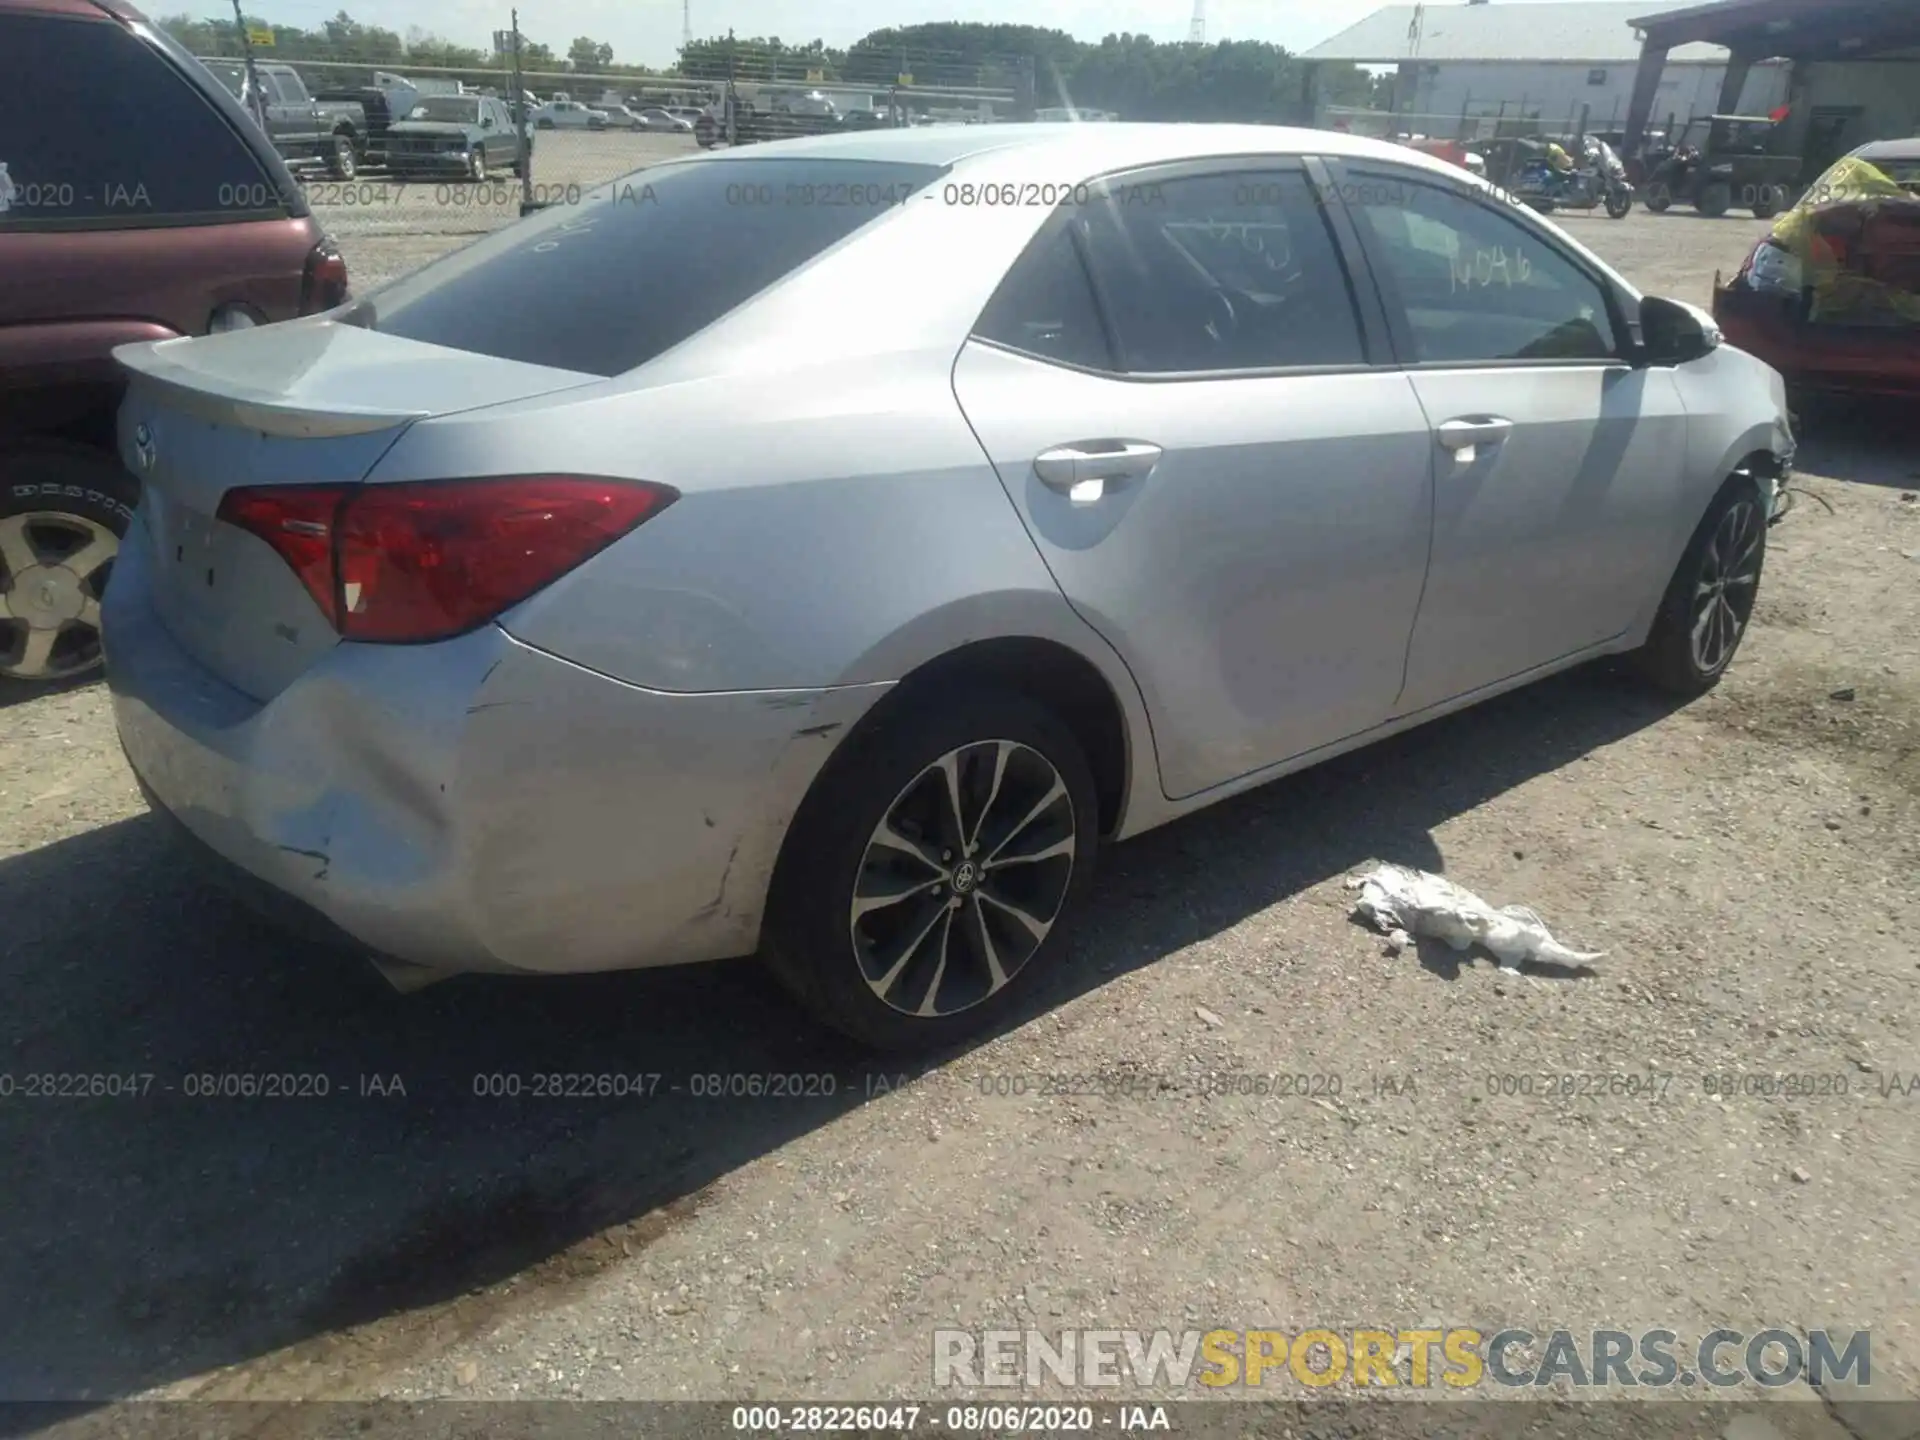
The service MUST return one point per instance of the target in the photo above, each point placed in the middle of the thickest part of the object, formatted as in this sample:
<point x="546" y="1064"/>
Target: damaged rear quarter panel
<point x="617" y="827"/>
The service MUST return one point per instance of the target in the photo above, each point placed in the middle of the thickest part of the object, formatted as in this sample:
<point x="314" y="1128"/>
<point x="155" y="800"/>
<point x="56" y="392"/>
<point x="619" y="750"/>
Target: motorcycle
<point x="1539" y="185"/>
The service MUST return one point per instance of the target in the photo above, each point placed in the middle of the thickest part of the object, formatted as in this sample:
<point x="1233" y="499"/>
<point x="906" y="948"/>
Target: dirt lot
<point x="1747" y="862"/>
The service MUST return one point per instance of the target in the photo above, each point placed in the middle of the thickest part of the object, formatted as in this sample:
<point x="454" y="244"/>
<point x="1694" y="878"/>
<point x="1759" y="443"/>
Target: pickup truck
<point x="382" y="108"/>
<point x="303" y="129"/>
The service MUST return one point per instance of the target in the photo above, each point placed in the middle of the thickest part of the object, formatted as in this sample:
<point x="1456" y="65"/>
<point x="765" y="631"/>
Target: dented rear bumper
<point x="476" y="804"/>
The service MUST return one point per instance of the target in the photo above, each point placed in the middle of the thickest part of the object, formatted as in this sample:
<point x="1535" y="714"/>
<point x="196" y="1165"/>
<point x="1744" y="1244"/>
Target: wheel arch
<point x="1102" y="709"/>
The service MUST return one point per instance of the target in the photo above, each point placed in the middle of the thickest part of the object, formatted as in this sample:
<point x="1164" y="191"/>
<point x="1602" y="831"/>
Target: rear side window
<point x="640" y="265"/>
<point x="1045" y="306"/>
<point x="97" y="129"/>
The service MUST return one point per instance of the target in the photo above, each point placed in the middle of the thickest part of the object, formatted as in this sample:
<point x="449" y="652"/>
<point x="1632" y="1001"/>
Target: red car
<point x="1831" y="299"/>
<point x="138" y="201"/>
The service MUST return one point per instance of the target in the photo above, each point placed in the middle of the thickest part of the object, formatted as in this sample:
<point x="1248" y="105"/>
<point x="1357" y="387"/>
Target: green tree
<point x="589" y="54"/>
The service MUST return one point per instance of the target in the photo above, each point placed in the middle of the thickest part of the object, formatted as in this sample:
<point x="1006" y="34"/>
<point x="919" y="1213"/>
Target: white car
<point x="665" y="121"/>
<point x="619" y="117"/>
<point x="568" y="115"/>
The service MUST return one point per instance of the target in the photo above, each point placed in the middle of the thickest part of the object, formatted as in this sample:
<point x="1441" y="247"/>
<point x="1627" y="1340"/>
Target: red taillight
<point x="325" y="283"/>
<point x="425" y="560"/>
<point x="298" y="522"/>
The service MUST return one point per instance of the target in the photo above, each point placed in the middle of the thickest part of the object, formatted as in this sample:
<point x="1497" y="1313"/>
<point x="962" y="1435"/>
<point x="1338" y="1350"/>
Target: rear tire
<point x="1709" y="602"/>
<point x="342" y="163"/>
<point x="945" y="955"/>
<point x="60" y="502"/>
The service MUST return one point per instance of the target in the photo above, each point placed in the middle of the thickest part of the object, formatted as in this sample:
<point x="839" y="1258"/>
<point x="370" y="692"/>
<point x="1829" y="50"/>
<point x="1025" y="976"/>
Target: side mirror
<point x="1673" y="332"/>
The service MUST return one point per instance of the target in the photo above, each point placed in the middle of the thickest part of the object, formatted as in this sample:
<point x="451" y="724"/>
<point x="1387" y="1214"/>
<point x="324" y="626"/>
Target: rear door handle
<point x="1066" y="467"/>
<point x="1475" y="430"/>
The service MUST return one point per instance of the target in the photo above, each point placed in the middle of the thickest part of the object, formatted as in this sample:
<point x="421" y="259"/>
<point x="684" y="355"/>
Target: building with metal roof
<point x="1854" y="66"/>
<point x="1516" y="62"/>
<point x="1590" y="32"/>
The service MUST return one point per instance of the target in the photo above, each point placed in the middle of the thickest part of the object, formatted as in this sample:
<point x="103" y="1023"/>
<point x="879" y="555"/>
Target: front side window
<point x="98" y="128"/>
<point x="1475" y="285"/>
<point x="1232" y="271"/>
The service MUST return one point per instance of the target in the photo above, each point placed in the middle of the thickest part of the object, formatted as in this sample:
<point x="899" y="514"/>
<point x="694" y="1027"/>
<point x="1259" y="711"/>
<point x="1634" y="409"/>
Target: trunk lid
<point x="303" y="403"/>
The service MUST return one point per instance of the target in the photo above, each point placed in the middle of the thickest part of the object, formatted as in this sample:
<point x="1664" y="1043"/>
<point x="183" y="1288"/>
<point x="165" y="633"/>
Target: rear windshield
<point x="639" y="265"/>
<point x="231" y="74"/>
<point x="453" y="109"/>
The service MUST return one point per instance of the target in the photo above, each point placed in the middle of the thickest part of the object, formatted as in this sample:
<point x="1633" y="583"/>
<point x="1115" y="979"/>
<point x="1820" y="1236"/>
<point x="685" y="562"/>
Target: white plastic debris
<point x="1396" y="899"/>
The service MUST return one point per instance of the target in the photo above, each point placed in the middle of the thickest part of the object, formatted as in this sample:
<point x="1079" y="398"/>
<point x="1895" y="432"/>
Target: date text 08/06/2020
<point x="900" y="1419"/>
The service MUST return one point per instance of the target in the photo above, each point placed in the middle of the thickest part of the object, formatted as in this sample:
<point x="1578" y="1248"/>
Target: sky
<point x="647" y="32"/>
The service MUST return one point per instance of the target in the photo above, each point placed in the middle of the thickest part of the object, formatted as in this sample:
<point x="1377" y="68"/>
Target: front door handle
<point x="1472" y="431"/>
<point x="1094" y="462"/>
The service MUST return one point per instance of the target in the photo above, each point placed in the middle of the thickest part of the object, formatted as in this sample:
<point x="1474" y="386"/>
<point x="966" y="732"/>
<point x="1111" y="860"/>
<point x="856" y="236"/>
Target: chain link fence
<point x="374" y="123"/>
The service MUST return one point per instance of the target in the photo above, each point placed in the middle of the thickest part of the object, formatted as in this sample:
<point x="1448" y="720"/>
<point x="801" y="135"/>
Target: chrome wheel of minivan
<point x="963" y="878"/>
<point x="55" y="568"/>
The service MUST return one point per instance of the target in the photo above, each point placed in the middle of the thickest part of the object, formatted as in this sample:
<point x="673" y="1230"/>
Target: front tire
<point x="1659" y="197"/>
<point x="1619" y="204"/>
<point x="1715" y="200"/>
<point x="1709" y="602"/>
<point x="928" y="876"/>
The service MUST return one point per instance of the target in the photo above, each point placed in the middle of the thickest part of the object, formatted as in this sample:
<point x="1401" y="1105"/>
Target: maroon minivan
<point x="138" y="201"/>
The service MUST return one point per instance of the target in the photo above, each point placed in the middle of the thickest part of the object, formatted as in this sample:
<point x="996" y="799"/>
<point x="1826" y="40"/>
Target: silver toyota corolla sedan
<point x="817" y="549"/>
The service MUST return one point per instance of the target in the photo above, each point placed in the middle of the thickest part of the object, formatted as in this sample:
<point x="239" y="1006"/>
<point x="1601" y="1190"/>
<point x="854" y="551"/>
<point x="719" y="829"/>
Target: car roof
<point x="77" y="9"/>
<point x="1908" y="149"/>
<point x="1088" y="148"/>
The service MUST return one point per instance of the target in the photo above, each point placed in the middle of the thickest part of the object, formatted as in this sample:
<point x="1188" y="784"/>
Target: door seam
<point x="1006" y="493"/>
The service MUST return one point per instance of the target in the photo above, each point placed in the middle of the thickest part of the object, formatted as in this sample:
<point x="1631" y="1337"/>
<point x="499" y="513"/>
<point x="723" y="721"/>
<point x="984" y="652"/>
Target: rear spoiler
<point x="188" y="390"/>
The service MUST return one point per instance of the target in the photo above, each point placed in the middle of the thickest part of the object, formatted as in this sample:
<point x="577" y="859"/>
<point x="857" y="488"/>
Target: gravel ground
<point x="1746" y="861"/>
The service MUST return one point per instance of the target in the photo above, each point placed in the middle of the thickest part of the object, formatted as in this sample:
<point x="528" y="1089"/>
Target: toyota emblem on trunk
<point x="143" y="446"/>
